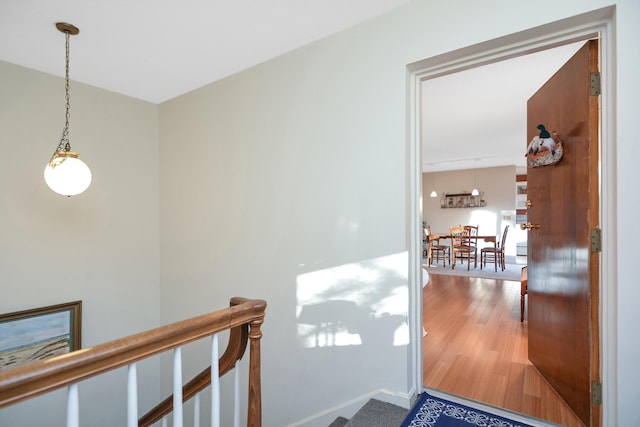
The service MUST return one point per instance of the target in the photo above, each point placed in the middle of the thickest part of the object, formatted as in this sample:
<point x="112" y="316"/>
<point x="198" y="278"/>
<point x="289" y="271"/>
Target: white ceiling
<point x="155" y="50"/>
<point x="477" y="118"/>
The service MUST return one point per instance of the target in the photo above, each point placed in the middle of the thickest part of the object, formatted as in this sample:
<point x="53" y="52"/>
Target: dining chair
<point x="461" y="243"/>
<point x="436" y="249"/>
<point x="473" y="242"/>
<point x="495" y="253"/>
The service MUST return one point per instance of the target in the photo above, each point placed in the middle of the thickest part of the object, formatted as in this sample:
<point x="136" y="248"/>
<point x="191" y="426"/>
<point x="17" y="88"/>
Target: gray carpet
<point x="374" y="413"/>
<point x="511" y="272"/>
<point x="339" y="422"/>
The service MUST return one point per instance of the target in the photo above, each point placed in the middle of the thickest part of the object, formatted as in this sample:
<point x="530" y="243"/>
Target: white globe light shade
<point x="69" y="178"/>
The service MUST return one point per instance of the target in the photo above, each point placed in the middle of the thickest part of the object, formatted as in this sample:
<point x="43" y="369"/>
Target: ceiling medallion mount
<point x="67" y="28"/>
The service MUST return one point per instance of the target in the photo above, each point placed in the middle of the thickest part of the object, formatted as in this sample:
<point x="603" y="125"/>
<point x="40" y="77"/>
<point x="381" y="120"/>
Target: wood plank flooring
<point x="476" y="347"/>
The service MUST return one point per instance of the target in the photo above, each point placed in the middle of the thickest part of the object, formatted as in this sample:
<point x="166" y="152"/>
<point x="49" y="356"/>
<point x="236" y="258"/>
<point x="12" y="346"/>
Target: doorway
<point x="496" y="368"/>
<point x="578" y="28"/>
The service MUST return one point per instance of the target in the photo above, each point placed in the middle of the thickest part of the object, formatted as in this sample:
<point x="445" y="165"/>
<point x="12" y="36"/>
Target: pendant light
<point x="475" y="191"/>
<point x="433" y="192"/>
<point x="65" y="173"/>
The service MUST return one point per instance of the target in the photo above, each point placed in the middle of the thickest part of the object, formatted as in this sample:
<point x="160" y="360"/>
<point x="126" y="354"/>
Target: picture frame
<point x="40" y="333"/>
<point x="521" y="192"/>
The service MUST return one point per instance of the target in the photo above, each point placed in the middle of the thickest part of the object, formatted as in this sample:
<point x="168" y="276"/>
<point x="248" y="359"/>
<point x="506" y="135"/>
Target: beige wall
<point x="498" y="185"/>
<point x="295" y="167"/>
<point x="101" y="247"/>
<point x="298" y="168"/>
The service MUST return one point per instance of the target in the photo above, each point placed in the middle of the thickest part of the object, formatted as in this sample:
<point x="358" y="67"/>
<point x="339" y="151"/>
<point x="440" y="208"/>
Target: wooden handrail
<point x="25" y="382"/>
<point x="236" y="347"/>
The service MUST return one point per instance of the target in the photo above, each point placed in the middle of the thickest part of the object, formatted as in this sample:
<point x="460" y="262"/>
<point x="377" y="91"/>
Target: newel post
<point x="254" y="412"/>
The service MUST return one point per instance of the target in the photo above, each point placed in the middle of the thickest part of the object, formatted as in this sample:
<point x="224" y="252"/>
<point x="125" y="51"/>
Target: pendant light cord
<point x="67" y="105"/>
<point x="64" y="140"/>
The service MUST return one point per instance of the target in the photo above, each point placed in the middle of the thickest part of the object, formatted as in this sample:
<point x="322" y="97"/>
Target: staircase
<point x="242" y="320"/>
<point x="374" y="413"/>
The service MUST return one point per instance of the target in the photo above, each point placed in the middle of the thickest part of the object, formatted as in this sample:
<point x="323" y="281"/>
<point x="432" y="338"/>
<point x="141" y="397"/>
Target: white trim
<point x="595" y="23"/>
<point x="414" y="214"/>
<point x="608" y="214"/>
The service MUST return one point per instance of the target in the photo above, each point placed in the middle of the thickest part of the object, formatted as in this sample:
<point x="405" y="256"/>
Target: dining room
<point x="476" y="328"/>
<point x="489" y="198"/>
<point x="475" y="323"/>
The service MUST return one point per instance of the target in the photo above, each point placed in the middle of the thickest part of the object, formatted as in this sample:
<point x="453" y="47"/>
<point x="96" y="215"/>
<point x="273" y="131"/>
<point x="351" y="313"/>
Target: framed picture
<point x="521" y="192"/>
<point x="521" y="188"/>
<point x="40" y="333"/>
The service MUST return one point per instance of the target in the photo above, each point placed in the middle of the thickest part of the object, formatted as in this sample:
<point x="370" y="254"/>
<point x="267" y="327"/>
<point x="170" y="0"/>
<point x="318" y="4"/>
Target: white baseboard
<point x="348" y="409"/>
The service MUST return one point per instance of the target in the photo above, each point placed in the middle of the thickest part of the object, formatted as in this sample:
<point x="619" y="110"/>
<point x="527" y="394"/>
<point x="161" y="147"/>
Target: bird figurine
<point x="544" y="149"/>
<point x="543" y="132"/>
<point x="540" y="143"/>
<point x="546" y="142"/>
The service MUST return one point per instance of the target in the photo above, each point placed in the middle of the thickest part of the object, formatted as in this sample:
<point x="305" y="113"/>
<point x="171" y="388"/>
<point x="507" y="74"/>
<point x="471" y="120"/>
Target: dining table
<point x="437" y="236"/>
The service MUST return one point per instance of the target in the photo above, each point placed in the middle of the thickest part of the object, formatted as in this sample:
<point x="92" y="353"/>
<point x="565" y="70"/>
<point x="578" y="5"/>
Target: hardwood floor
<point x="476" y="347"/>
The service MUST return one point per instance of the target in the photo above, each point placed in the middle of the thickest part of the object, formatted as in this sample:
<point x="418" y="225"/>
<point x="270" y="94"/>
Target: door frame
<point x="600" y="23"/>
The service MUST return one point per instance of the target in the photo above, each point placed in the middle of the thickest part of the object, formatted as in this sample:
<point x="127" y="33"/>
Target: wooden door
<point x="563" y="271"/>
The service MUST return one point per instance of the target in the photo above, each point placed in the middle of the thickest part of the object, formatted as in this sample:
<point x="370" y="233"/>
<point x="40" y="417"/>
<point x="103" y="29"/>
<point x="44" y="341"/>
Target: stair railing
<point x="243" y="319"/>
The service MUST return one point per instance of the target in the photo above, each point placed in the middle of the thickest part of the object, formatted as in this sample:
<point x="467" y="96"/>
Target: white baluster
<point x="215" y="383"/>
<point x="196" y="410"/>
<point x="236" y="395"/>
<point x="132" y="396"/>
<point x="177" y="387"/>
<point x="164" y="421"/>
<point x="73" y="409"/>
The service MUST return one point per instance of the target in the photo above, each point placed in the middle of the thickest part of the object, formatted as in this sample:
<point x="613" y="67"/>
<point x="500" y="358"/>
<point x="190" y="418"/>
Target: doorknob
<point x="529" y="226"/>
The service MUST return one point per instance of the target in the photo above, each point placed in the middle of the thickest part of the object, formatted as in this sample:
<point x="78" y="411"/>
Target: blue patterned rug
<point x="431" y="411"/>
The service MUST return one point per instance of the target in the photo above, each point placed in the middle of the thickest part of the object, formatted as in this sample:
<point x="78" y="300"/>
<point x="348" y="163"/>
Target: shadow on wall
<point x="358" y="304"/>
<point x="341" y="322"/>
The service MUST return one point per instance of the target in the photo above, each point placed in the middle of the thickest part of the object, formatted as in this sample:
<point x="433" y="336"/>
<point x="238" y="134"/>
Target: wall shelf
<point x="462" y="200"/>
